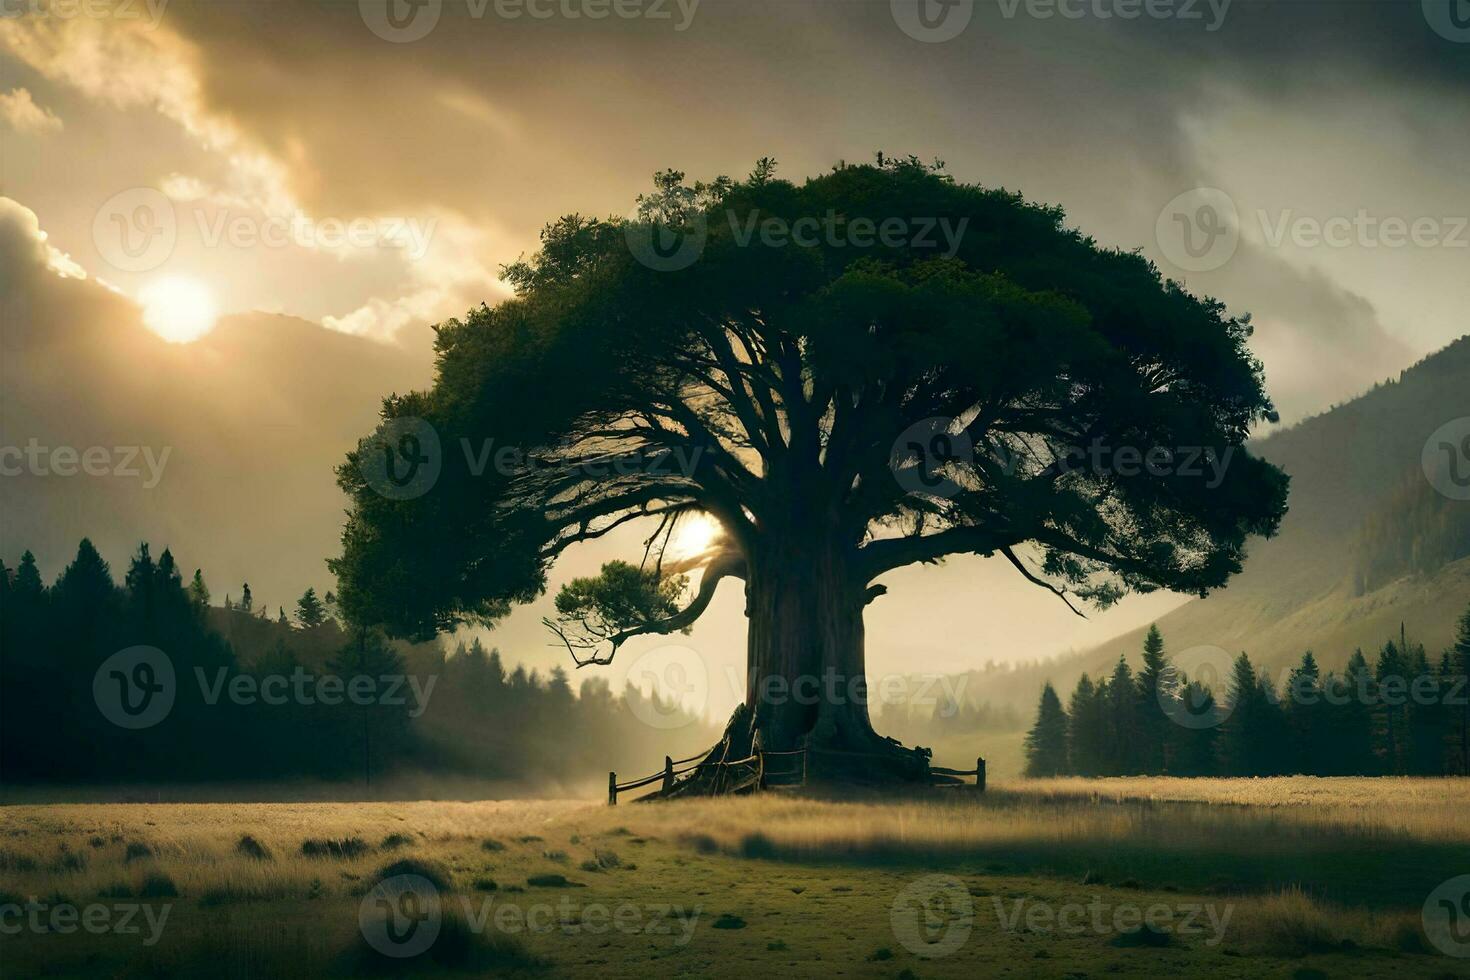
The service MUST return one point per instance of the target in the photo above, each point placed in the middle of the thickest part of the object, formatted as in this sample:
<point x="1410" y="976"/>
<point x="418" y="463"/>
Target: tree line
<point x="253" y="692"/>
<point x="1401" y="714"/>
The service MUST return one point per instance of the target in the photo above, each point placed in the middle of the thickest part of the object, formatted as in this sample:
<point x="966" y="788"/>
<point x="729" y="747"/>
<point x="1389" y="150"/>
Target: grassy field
<point x="1234" y="878"/>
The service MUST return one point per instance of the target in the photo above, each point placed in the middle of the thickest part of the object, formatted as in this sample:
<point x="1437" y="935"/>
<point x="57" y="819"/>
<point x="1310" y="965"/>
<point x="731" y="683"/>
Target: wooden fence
<point x="754" y="772"/>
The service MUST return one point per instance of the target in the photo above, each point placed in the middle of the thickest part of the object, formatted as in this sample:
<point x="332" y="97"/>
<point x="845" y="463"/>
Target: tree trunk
<point x="805" y="685"/>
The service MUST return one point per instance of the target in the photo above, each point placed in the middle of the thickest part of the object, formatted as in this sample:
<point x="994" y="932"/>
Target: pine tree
<point x="1193" y="751"/>
<point x="1305" y="717"/>
<point x="198" y="591"/>
<point x="27" y="585"/>
<point x="1046" y="744"/>
<point x="1251" y="736"/>
<point x="247" y="602"/>
<point x="1121" y="754"/>
<point x="1085" y="729"/>
<point x="1456" y="686"/>
<point x="281" y="619"/>
<point x="1153" y="724"/>
<point x="310" y="612"/>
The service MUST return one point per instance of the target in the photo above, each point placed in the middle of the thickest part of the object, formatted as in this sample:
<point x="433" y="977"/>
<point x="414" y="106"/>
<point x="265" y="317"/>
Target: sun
<point x="693" y="535"/>
<point x="177" y="308"/>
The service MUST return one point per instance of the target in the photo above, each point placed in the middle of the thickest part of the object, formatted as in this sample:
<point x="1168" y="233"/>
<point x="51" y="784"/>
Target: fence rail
<point x="795" y="775"/>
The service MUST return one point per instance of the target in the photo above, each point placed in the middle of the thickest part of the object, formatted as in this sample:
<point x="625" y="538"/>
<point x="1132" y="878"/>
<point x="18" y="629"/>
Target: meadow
<point x="1292" y="877"/>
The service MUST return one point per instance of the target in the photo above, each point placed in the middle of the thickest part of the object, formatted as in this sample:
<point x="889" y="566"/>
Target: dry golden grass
<point x="1327" y="873"/>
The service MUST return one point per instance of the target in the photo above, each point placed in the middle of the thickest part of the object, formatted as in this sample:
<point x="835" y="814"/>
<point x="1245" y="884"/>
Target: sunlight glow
<point x="694" y="535"/>
<point x="177" y="308"/>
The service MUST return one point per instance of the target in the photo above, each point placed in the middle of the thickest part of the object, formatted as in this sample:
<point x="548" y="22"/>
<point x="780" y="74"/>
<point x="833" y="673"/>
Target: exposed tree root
<point x="840" y="750"/>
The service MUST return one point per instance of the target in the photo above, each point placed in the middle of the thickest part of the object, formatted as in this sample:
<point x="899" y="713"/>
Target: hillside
<point x="1366" y="545"/>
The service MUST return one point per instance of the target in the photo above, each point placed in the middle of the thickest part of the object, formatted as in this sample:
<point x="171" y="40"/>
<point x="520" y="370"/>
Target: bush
<point x="136" y="851"/>
<point x="158" y="885"/>
<point x="433" y="872"/>
<point x="252" y="848"/>
<point x="346" y="847"/>
<point x="394" y="841"/>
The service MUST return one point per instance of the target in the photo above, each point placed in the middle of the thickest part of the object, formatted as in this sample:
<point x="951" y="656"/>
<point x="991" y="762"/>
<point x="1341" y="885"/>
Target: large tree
<point x="874" y="368"/>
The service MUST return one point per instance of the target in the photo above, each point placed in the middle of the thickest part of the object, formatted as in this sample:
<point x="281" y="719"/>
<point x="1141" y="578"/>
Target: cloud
<point x="20" y="112"/>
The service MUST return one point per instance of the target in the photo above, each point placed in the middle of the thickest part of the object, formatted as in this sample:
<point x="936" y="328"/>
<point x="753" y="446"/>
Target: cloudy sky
<point x="170" y="171"/>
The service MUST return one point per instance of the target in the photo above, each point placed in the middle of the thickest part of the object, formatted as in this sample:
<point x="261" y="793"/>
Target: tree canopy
<point x="886" y="398"/>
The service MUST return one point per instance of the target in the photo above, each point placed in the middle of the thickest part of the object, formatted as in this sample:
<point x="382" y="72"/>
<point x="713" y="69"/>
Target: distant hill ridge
<point x="1345" y="569"/>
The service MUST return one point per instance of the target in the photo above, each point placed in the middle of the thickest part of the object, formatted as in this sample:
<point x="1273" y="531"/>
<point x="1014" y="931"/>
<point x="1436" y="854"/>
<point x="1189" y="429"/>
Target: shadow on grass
<point x="1185" y="846"/>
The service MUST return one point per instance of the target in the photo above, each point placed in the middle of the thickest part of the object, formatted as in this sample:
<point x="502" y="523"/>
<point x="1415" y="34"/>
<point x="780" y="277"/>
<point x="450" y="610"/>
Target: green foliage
<point x="1046" y="743"/>
<point x="621" y="597"/>
<point x="785" y="374"/>
<point x="310" y="612"/>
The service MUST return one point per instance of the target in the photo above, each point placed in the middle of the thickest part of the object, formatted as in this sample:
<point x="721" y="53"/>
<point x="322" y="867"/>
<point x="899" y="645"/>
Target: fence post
<point x="612" y="789"/>
<point x="980" y="775"/>
<point x="668" y="773"/>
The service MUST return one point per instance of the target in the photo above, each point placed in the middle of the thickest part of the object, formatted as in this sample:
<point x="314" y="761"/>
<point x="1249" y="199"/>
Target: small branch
<point x="1011" y="556"/>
